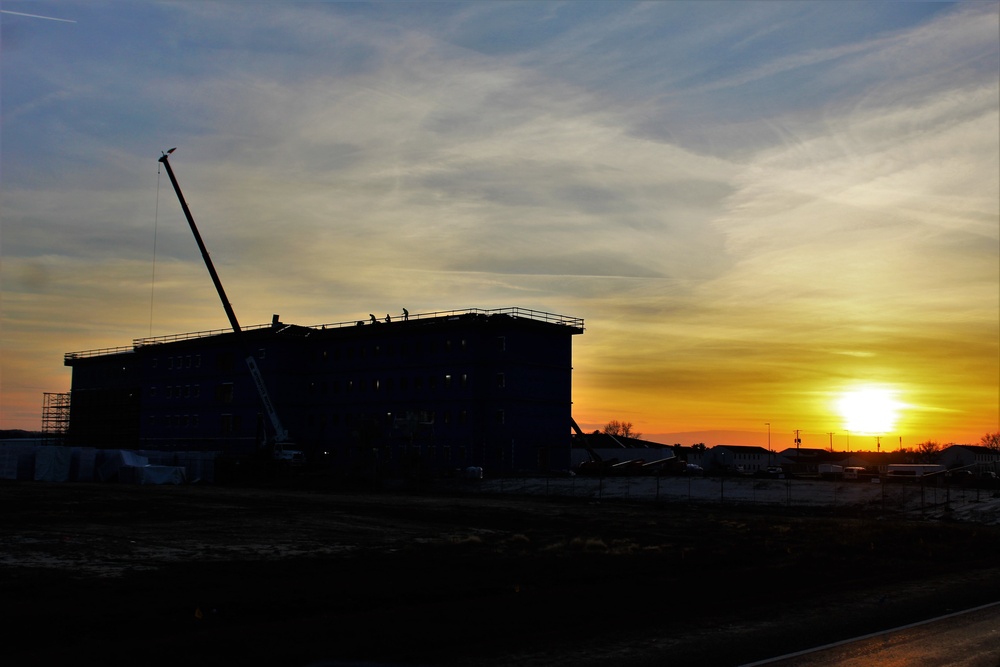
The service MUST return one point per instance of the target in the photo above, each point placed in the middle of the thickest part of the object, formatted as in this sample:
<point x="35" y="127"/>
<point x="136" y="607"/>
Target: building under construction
<point x="431" y="392"/>
<point x="428" y="392"/>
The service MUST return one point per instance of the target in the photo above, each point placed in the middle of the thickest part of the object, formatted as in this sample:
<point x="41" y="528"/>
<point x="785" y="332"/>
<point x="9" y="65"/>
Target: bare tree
<point x="927" y="450"/>
<point x="622" y="429"/>
<point x="991" y="440"/>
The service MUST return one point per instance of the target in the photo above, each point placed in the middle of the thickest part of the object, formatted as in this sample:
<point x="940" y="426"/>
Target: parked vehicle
<point x="830" y="471"/>
<point x="904" y="471"/>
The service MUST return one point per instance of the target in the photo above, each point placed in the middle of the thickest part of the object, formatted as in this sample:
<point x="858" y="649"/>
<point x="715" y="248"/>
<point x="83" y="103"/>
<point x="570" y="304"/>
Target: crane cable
<point x="152" y="280"/>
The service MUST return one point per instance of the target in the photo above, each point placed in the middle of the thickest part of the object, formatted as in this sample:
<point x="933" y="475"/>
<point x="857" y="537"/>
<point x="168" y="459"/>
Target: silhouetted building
<point x="977" y="458"/>
<point x="488" y="388"/>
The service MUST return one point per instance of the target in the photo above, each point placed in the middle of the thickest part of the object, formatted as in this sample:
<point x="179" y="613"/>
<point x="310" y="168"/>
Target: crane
<point x="280" y="434"/>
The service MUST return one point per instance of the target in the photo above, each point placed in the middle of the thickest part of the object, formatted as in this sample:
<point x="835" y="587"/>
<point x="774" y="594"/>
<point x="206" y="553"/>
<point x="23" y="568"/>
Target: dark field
<point x="201" y="575"/>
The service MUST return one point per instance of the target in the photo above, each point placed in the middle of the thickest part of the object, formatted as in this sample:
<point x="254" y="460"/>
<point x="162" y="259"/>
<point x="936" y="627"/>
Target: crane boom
<point x="201" y="245"/>
<point x="280" y="434"/>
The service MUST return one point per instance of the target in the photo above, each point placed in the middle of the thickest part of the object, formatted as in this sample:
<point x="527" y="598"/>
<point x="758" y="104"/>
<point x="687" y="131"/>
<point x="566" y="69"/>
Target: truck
<point x="903" y="471"/>
<point x="830" y="471"/>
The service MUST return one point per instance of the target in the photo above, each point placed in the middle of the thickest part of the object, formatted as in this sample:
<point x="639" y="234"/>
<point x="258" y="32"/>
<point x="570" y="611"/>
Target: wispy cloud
<point x="750" y="203"/>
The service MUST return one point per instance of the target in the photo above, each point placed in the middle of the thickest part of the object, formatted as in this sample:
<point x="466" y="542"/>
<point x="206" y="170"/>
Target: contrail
<point x="35" y="16"/>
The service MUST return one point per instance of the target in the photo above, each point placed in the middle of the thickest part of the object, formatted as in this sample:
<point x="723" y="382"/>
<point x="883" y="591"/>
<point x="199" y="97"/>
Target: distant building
<point x="805" y="460"/>
<point x="742" y="458"/>
<point x="698" y="455"/>
<point x="616" y="449"/>
<point x="974" y="457"/>
<point x="488" y="388"/>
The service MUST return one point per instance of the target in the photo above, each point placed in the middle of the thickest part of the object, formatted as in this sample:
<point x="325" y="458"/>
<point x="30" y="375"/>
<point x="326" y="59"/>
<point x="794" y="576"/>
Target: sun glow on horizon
<point x="871" y="410"/>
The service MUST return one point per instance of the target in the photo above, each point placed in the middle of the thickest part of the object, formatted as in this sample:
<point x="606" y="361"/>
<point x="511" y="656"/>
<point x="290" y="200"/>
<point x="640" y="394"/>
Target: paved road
<point x="963" y="639"/>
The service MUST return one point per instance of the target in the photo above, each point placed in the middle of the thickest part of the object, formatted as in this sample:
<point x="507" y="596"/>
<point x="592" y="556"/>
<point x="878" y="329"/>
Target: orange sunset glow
<point x="771" y="220"/>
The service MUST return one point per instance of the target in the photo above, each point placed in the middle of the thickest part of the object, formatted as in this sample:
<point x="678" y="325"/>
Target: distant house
<point x="806" y="460"/>
<point x="865" y="460"/>
<point x="741" y="458"/>
<point x="973" y="457"/>
<point x="695" y="455"/>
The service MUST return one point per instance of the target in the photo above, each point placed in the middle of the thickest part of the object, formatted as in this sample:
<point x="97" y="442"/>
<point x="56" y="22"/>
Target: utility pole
<point x="769" y="458"/>
<point x="831" y="442"/>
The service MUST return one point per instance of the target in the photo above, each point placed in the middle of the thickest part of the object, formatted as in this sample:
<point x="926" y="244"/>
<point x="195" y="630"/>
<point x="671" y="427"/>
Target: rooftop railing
<point x="99" y="352"/>
<point x="523" y="313"/>
<point x="515" y="312"/>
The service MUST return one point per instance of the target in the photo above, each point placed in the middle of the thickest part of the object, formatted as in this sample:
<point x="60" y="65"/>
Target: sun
<point x="869" y="410"/>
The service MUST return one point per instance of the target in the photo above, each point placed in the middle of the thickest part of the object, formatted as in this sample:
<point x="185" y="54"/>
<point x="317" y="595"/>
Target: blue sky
<point x="755" y="206"/>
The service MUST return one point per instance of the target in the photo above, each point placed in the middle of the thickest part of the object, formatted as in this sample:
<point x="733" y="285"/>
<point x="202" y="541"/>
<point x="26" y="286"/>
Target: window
<point x="225" y="392"/>
<point x="502" y="343"/>
<point x="224" y="362"/>
<point x="501" y="381"/>
<point x="499" y="417"/>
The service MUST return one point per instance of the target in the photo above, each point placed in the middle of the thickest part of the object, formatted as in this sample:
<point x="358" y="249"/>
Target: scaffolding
<point x="55" y="414"/>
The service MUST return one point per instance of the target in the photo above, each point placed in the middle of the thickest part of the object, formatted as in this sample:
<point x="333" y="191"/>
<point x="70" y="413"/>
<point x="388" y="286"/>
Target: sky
<point x="772" y="216"/>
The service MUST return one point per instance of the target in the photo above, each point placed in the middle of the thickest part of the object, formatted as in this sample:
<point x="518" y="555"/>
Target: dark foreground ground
<point x="202" y="575"/>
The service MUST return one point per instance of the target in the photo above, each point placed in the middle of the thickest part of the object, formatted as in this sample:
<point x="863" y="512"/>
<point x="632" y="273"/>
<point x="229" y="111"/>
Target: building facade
<point x="742" y="458"/>
<point x="976" y="458"/>
<point x="489" y="388"/>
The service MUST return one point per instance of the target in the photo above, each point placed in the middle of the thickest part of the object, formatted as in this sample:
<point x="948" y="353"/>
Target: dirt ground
<point x="309" y="574"/>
